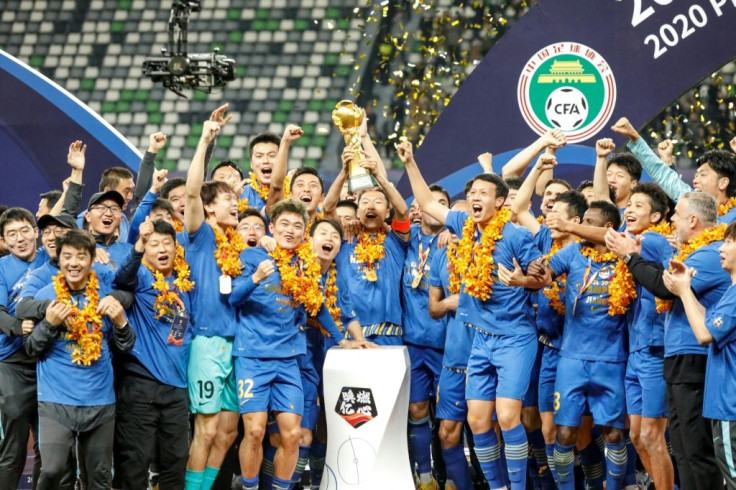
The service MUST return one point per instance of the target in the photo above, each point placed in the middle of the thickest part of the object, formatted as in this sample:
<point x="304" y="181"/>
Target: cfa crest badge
<point x="356" y="406"/>
<point x="567" y="86"/>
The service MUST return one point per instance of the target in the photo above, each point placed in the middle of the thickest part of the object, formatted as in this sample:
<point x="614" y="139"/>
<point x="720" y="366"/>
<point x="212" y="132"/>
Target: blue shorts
<point x="266" y="385"/>
<point x="531" y="397"/>
<point x="310" y="411"/>
<point x="426" y="364"/>
<point x="211" y="376"/>
<point x="646" y="390"/>
<point x="547" y="376"/>
<point x="500" y="366"/>
<point x="451" y="404"/>
<point x="599" y="384"/>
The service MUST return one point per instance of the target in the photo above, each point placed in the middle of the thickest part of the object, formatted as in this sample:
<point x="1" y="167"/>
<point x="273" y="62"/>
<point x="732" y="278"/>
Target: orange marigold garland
<point x="454" y="279"/>
<point x="370" y="250"/>
<point x="262" y="189"/>
<point x="621" y="289"/>
<point x="178" y="226"/>
<point x="540" y="219"/>
<point x="300" y="278"/>
<point x="168" y="300"/>
<point x="555" y="291"/>
<point x="331" y="297"/>
<point x="475" y="259"/>
<point x="708" y="236"/>
<point x="726" y="206"/>
<point x="229" y="245"/>
<point x="664" y="228"/>
<point x="85" y="325"/>
<point x="242" y="205"/>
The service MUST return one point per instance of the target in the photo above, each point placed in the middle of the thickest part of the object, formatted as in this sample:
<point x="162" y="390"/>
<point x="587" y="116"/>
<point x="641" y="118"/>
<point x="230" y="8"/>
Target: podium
<point x="366" y="406"/>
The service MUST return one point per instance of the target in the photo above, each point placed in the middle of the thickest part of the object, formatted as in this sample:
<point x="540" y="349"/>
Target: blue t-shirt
<point x="42" y="276"/>
<point x="728" y="218"/>
<point x="459" y="337"/>
<point x="709" y="284"/>
<point x="509" y="310"/>
<point x="165" y="360"/>
<point x="118" y="254"/>
<point x="213" y="315"/>
<point x="375" y="302"/>
<point x="141" y="212"/>
<point x="550" y="324"/>
<point x="720" y="374"/>
<point x="62" y="381"/>
<point x="419" y="327"/>
<point x="254" y="199"/>
<point x="591" y="334"/>
<point x="269" y="321"/>
<point x="646" y="326"/>
<point x="14" y="274"/>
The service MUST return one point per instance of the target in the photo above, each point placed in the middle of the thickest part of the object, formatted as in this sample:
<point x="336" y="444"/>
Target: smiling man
<point x="102" y="218"/>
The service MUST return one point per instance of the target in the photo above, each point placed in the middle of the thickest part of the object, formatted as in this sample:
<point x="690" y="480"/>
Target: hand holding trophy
<point x="347" y="118"/>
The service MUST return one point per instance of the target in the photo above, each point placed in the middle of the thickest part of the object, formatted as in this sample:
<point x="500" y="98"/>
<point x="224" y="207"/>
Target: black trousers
<point x="18" y="417"/>
<point x="151" y="416"/>
<point x="724" y="440"/>
<point x="690" y="433"/>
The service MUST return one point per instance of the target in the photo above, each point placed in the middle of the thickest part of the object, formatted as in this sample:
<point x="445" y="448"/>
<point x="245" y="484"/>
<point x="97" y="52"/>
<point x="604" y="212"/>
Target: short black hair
<point x="562" y="182"/>
<point x="730" y="232"/>
<point x="112" y="176"/>
<point x="309" y="171"/>
<point x="77" y="239"/>
<point x="609" y="212"/>
<point x="333" y="223"/>
<point x="226" y="163"/>
<point x="589" y="183"/>
<point x="467" y="187"/>
<point x="210" y="190"/>
<point x="15" y="214"/>
<point x="289" y="206"/>
<point x="628" y="162"/>
<point x="164" y="228"/>
<point x="439" y="188"/>
<point x="347" y="203"/>
<point x="250" y="211"/>
<point x="658" y="199"/>
<point x="170" y="185"/>
<point x="265" y="137"/>
<point x="576" y="203"/>
<point x="724" y="164"/>
<point x="514" y="183"/>
<point x="502" y="190"/>
<point x="162" y="204"/>
<point x="52" y="197"/>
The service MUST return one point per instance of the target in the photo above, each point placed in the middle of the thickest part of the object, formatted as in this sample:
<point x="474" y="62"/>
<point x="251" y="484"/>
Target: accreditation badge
<point x="226" y="284"/>
<point x="178" y="328"/>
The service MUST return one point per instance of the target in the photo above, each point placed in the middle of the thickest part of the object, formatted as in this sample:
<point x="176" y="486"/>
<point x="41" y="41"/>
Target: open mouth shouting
<point x="476" y="209"/>
<point x="251" y="241"/>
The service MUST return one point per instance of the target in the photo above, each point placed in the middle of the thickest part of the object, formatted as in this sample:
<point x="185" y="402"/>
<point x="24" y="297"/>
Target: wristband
<point x="401" y="226"/>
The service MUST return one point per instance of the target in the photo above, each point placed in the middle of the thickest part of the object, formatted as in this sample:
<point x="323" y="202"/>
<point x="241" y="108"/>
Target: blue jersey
<point x="646" y="326"/>
<point x="459" y="337"/>
<point x="118" y="253"/>
<point x="141" y="212"/>
<point x="728" y="218"/>
<point x="720" y="374"/>
<point x="14" y="274"/>
<point x="591" y="334"/>
<point x="254" y="199"/>
<point x="378" y="301"/>
<point x="164" y="356"/>
<point x="42" y="276"/>
<point x="62" y="381"/>
<point x="213" y="315"/>
<point x="509" y="310"/>
<point x="550" y="324"/>
<point x="269" y="321"/>
<point x="709" y="284"/>
<point x="420" y="328"/>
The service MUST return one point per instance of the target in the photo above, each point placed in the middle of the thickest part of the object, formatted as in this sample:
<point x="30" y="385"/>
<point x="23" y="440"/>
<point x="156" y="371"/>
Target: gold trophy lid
<point x="347" y="115"/>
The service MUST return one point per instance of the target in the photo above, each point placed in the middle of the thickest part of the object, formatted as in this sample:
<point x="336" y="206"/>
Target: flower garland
<point x="540" y="219"/>
<point x="555" y="291"/>
<point x="262" y="189"/>
<point x="706" y="237"/>
<point x="89" y="341"/>
<point x="727" y="206"/>
<point x="242" y="205"/>
<point x="475" y="259"/>
<point x="369" y="249"/>
<point x="664" y="228"/>
<point x="178" y="226"/>
<point x="621" y="289"/>
<point x="229" y="245"/>
<point x="168" y="299"/>
<point x="454" y="279"/>
<point x="331" y="296"/>
<point x="300" y="278"/>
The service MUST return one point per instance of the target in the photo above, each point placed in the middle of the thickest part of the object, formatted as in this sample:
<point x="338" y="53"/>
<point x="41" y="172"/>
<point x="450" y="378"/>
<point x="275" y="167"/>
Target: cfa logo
<point x="567" y="86"/>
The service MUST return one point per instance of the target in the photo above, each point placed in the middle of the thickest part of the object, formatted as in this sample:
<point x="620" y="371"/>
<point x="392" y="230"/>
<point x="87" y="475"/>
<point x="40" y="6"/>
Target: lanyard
<point x="587" y="282"/>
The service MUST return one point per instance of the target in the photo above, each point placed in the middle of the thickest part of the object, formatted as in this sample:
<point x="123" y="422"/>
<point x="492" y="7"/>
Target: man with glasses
<point x="103" y="216"/>
<point x="251" y="226"/>
<point x="18" y="407"/>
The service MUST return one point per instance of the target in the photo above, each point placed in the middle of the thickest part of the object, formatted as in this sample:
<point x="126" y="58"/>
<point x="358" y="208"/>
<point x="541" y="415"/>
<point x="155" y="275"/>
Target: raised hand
<point x="665" y="149"/>
<point x="406" y="152"/>
<point x="624" y="127"/>
<point x="486" y="162"/>
<point x="145" y="230"/>
<point x="75" y="157"/>
<point x="218" y="115"/>
<point x="264" y="269"/>
<point x="370" y="165"/>
<point x="604" y="147"/>
<point x="554" y="138"/>
<point x="679" y="278"/>
<point x="292" y="133"/>
<point x="159" y="179"/>
<point x="210" y="130"/>
<point x="156" y="142"/>
<point x="733" y="144"/>
<point x="546" y="162"/>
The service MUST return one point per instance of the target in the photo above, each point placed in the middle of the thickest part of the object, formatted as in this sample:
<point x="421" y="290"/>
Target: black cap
<point x="63" y="220"/>
<point x="103" y="196"/>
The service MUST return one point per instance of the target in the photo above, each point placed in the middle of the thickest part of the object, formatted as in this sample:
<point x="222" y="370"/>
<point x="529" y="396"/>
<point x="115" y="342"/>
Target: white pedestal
<point x="366" y="407"/>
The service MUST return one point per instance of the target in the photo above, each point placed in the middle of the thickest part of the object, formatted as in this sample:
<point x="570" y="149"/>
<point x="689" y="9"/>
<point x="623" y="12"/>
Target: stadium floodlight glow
<point x="176" y="69"/>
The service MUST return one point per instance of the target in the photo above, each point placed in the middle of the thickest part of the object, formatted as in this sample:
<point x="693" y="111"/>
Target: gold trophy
<point x="348" y="117"/>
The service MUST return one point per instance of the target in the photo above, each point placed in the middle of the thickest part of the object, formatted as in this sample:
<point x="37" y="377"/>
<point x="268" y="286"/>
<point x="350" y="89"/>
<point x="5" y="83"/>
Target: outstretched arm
<point x="419" y="187"/>
<point x="519" y="162"/>
<point x="603" y="148"/>
<point x="520" y="206"/>
<point x="281" y="166"/>
<point x="194" y="212"/>
<point x="369" y="147"/>
<point x="68" y="203"/>
<point x="329" y="204"/>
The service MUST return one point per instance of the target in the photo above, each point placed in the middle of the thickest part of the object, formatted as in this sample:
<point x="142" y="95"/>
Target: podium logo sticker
<point x="356" y="406"/>
<point x="567" y="86"/>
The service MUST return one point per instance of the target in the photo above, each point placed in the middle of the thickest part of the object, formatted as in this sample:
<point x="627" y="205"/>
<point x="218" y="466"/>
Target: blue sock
<point x="630" y="476"/>
<point x="488" y="451"/>
<point x="193" y="480"/>
<point x="550" y="450"/>
<point x="209" y="477"/>
<point x="249" y="483"/>
<point x="593" y="468"/>
<point x="564" y="457"/>
<point x="420" y="437"/>
<point x="616" y="465"/>
<point x="516" y="448"/>
<point x="317" y="455"/>
<point x="267" y="465"/>
<point x="279" y="484"/>
<point x="457" y="466"/>
<point x="543" y="472"/>
<point x="600" y="441"/>
<point x="301" y="463"/>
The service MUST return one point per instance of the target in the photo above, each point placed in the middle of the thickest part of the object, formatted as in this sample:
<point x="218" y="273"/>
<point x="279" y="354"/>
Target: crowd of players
<point x="600" y="328"/>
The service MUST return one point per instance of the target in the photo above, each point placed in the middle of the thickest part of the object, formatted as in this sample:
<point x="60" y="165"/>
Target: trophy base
<point x="362" y="182"/>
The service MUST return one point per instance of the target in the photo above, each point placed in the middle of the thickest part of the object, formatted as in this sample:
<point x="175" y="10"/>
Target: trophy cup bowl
<point x="348" y="117"/>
